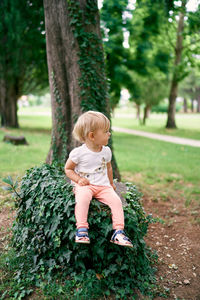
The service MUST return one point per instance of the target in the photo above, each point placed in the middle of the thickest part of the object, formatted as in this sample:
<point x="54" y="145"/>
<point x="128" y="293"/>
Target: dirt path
<point x="161" y="137"/>
<point x="177" y="243"/>
<point x="6" y="219"/>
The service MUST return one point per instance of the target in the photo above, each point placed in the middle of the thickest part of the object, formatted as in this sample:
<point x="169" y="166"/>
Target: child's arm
<point x="110" y="175"/>
<point x="71" y="174"/>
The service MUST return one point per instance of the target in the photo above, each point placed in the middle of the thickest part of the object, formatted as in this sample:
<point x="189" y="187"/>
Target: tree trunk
<point x="15" y="140"/>
<point x="8" y="105"/>
<point x="192" y="105"/>
<point x="146" y="113"/>
<point x="138" y="111"/>
<point x="76" y="70"/>
<point x="185" y="105"/>
<point x="198" y="104"/>
<point x="174" y="84"/>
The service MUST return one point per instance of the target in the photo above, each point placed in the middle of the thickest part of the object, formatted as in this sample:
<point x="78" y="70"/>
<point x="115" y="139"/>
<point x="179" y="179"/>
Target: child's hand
<point x="83" y="181"/>
<point x="114" y="186"/>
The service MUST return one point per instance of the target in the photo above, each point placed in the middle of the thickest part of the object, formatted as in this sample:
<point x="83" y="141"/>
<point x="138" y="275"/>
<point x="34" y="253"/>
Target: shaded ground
<point x="6" y="219"/>
<point x="177" y="242"/>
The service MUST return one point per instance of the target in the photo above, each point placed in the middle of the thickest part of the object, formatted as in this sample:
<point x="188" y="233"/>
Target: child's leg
<point x="83" y="196"/>
<point x="108" y="196"/>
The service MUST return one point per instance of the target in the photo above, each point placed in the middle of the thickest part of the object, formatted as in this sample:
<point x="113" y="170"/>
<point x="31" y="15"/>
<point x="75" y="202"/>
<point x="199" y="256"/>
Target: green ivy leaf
<point x="8" y="180"/>
<point x="44" y="236"/>
<point x="7" y="188"/>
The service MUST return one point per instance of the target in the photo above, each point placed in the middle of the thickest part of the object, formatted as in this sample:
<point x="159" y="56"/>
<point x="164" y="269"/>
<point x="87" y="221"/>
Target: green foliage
<point x="118" y="58"/>
<point x="44" y="232"/>
<point x="163" y="108"/>
<point x="194" y="21"/>
<point x="153" y="35"/>
<point x="148" y="61"/>
<point x="10" y="284"/>
<point x="11" y="186"/>
<point x="91" y="60"/>
<point x="23" y="62"/>
<point x="189" y="88"/>
<point x="147" y="21"/>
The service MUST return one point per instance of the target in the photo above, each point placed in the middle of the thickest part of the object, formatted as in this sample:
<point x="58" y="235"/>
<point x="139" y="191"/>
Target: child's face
<point x="101" y="137"/>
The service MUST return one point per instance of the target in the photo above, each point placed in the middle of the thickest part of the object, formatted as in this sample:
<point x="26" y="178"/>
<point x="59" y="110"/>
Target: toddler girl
<point x="89" y="168"/>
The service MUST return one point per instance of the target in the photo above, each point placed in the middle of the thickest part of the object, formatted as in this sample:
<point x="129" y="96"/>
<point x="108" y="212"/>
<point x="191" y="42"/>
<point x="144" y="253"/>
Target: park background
<point x="153" y="86"/>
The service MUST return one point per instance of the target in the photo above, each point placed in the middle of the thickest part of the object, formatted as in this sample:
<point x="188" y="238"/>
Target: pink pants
<point x="106" y="195"/>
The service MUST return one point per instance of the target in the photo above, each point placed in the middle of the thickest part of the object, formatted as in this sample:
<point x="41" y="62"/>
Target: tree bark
<point x="138" y="112"/>
<point x="185" y="105"/>
<point x="192" y="105"/>
<point x="8" y="105"/>
<point x="174" y="84"/>
<point x="198" y="104"/>
<point x="63" y="56"/>
<point x="146" y="113"/>
<point x="15" y="140"/>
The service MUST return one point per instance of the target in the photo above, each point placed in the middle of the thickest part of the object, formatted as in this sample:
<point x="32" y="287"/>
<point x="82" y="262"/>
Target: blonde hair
<point x="90" y="121"/>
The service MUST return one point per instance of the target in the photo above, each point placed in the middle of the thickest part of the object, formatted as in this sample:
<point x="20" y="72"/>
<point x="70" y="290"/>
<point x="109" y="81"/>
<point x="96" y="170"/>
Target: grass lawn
<point x="37" y="130"/>
<point x="158" y="167"/>
<point x="162" y="169"/>
<point x="188" y="125"/>
<point x="16" y="159"/>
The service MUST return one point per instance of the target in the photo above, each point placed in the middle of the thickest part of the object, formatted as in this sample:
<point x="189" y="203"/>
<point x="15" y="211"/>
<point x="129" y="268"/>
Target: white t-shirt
<point x="92" y="165"/>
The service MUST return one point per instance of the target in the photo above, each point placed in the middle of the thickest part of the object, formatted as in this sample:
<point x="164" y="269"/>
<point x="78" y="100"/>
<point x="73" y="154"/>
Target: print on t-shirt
<point x="92" y="165"/>
<point x="101" y="169"/>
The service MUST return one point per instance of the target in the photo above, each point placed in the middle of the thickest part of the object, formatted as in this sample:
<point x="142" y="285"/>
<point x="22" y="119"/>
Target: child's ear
<point x="91" y="135"/>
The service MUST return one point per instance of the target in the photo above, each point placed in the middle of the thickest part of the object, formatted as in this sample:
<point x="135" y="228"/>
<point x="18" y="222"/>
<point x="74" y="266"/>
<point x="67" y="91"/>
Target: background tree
<point x="153" y="91"/>
<point x="190" y="89"/>
<point x="114" y="24"/>
<point x="126" y="65"/>
<point x="23" y="67"/>
<point x="76" y="70"/>
<point x="159" y="44"/>
<point x="185" y="49"/>
<point x="181" y="27"/>
<point x="177" y="65"/>
<point x="149" y="55"/>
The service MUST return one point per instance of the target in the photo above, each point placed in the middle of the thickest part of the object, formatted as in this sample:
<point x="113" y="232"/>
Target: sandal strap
<point x="120" y="232"/>
<point x="117" y="232"/>
<point x="82" y="229"/>
<point x="82" y="232"/>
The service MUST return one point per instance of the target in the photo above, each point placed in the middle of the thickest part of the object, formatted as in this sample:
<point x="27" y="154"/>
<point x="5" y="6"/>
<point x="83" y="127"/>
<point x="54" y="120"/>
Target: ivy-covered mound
<point x="44" y="231"/>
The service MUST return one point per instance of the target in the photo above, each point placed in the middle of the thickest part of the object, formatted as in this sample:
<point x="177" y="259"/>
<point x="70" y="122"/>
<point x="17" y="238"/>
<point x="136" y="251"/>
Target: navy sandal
<point x="82" y="236"/>
<point x="119" y="237"/>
